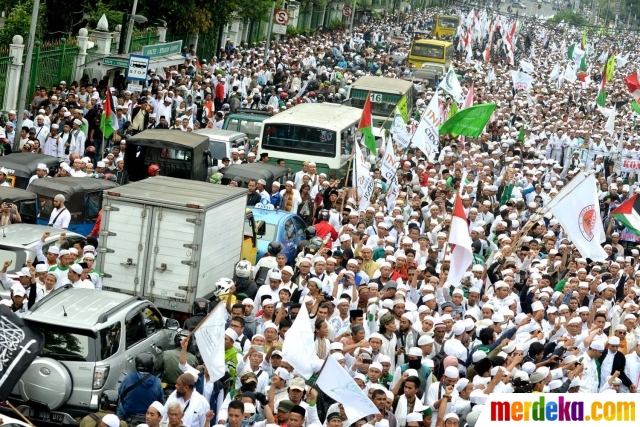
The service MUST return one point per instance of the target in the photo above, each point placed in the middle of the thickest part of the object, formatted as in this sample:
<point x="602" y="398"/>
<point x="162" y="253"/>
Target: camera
<point x="326" y="296"/>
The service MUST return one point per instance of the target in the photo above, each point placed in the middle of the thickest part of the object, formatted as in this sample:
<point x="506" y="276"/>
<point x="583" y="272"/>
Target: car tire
<point x="47" y="381"/>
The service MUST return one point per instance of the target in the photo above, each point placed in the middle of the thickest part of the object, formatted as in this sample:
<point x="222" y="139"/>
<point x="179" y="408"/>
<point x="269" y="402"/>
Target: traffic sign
<point x="134" y="88"/>
<point x="138" y="67"/>
<point x="281" y="17"/>
<point x="347" y="11"/>
<point x="115" y="62"/>
<point x="279" y="29"/>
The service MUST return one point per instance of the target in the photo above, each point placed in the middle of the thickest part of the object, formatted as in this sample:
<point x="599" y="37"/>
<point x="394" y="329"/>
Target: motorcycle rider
<point x="167" y="363"/>
<point x="267" y="262"/>
<point x="244" y="285"/>
<point x="139" y="389"/>
<point x="201" y="308"/>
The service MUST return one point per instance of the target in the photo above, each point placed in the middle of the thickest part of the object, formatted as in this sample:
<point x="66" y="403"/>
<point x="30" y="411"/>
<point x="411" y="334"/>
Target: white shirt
<point x="61" y="221"/>
<point x="83" y="284"/>
<point x="194" y="409"/>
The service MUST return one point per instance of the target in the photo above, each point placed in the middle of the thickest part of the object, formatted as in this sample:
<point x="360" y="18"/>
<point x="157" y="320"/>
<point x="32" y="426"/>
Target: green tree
<point x="569" y="17"/>
<point x="18" y="22"/>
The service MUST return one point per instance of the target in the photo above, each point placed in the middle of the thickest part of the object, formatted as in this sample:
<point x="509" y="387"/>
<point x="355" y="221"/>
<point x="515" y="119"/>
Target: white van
<point x="222" y="141"/>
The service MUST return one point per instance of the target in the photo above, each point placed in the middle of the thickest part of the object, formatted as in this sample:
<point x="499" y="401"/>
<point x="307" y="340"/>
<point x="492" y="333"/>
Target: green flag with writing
<point x="469" y="122"/>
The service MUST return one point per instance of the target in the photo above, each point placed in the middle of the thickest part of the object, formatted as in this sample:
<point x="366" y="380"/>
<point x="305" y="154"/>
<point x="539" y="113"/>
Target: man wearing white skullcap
<point x="435" y="395"/>
<point x="590" y="376"/>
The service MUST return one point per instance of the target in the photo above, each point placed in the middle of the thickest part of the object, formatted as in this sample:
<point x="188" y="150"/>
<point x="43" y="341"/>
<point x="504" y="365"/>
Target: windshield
<point x="300" y="139"/>
<point x="377" y="108"/>
<point x="448" y="22"/>
<point x="62" y="343"/>
<point x="15" y="255"/>
<point x="45" y="206"/>
<point x="28" y="207"/>
<point x="218" y="149"/>
<point x="250" y="128"/>
<point x="428" y="50"/>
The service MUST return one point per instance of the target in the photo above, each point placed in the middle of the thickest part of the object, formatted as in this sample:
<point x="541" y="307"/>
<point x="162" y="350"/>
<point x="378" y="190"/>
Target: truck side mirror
<point x="261" y="229"/>
<point x="171" y="324"/>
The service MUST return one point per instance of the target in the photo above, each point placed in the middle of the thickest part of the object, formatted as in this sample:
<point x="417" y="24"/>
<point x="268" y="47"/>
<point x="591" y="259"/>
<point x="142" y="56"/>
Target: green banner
<point x="162" y="49"/>
<point x="470" y="121"/>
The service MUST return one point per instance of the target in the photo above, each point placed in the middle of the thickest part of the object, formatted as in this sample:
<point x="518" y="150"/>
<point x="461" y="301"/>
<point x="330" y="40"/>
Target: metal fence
<point x="5" y="62"/>
<point x="145" y="38"/>
<point x="52" y="63"/>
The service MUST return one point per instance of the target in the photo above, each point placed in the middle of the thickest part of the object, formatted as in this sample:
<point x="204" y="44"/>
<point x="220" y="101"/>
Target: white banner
<point x="210" y="340"/>
<point x="298" y="348"/>
<point x="338" y="384"/>
<point x="577" y="209"/>
<point x="367" y="191"/>
<point x="630" y="165"/>
<point x="388" y="170"/>
<point x="521" y="81"/>
<point x="360" y="169"/>
<point x="426" y="136"/>
<point x="399" y="131"/>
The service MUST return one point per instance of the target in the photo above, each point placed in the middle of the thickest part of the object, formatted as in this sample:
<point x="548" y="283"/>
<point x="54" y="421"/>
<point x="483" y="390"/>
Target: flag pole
<point x="315" y="380"/>
<point x="353" y="152"/>
<point x="26" y="420"/>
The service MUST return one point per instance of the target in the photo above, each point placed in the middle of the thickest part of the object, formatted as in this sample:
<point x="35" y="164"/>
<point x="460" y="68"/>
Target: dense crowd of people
<point x="531" y="314"/>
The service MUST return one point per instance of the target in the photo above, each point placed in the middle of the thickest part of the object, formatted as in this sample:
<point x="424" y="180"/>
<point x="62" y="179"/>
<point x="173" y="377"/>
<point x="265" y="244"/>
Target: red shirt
<point x="220" y="91"/>
<point x="323" y="228"/>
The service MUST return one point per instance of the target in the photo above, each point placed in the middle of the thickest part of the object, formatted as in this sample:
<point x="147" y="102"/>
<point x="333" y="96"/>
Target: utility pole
<point x="26" y="74"/>
<point x="127" y="43"/>
<point x="352" y="17"/>
<point x="269" y="30"/>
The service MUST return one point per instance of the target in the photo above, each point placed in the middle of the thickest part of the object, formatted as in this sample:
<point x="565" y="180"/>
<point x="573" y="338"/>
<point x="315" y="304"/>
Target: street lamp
<point x="127" y="22"/>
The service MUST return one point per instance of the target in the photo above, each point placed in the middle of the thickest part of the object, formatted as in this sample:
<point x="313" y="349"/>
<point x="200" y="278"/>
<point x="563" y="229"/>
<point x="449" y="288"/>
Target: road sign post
<point x="138" y="67"/>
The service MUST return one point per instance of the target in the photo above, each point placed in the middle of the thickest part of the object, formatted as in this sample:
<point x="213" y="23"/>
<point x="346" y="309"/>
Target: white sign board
<point x="138" y="67"/>
<point x="134" y="88"/>
<point x="279" y="29"/>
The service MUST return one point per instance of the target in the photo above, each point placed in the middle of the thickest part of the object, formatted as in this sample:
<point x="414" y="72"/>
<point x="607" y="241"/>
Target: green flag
<point x="521" y="134"/>
<point x="469" y="122"/>
<point x="403" y="108"/>
<point x="454" y="108"/>
<point x="635" y="106"/>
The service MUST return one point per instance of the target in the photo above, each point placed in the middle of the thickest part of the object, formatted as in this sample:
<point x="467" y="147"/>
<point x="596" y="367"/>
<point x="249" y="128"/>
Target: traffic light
<point x="539" y="6"/>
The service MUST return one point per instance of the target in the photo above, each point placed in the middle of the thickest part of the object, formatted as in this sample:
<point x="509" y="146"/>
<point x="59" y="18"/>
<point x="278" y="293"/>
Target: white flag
<point x="360" y="170"/>
<point x="337" y="384"/>
<point x="451" y="85"/>
<point x="570" y="73"/>
<point x="210" y="339"/>
<point x="577" y="209"/>
<point x="521" y="81"/>
<point x="399" y="130"/>
<point x="389" y="164"/>
<point x="426" y="136"/>
<point x="393" y="191"/>
<point x="298" y="347"/>
<point x="527" y="67"/>
<point x="610" y="126"/>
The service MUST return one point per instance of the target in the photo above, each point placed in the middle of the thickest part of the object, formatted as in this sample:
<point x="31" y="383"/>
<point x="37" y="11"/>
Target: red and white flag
<point x="633" y="86"/>
<point x="468" y="102"/>
<point x="459" y="243"/>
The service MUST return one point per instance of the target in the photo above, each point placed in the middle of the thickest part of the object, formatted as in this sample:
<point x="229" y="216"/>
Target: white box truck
<point x="169" y="240"/>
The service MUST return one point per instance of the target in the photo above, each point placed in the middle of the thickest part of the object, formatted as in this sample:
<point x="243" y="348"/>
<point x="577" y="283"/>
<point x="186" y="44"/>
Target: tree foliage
<point x="18" y="22"/>
<point x="569" y="17"/>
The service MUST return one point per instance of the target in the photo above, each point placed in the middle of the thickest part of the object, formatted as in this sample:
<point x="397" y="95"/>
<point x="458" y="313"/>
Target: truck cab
<point x="183" y="155"/>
